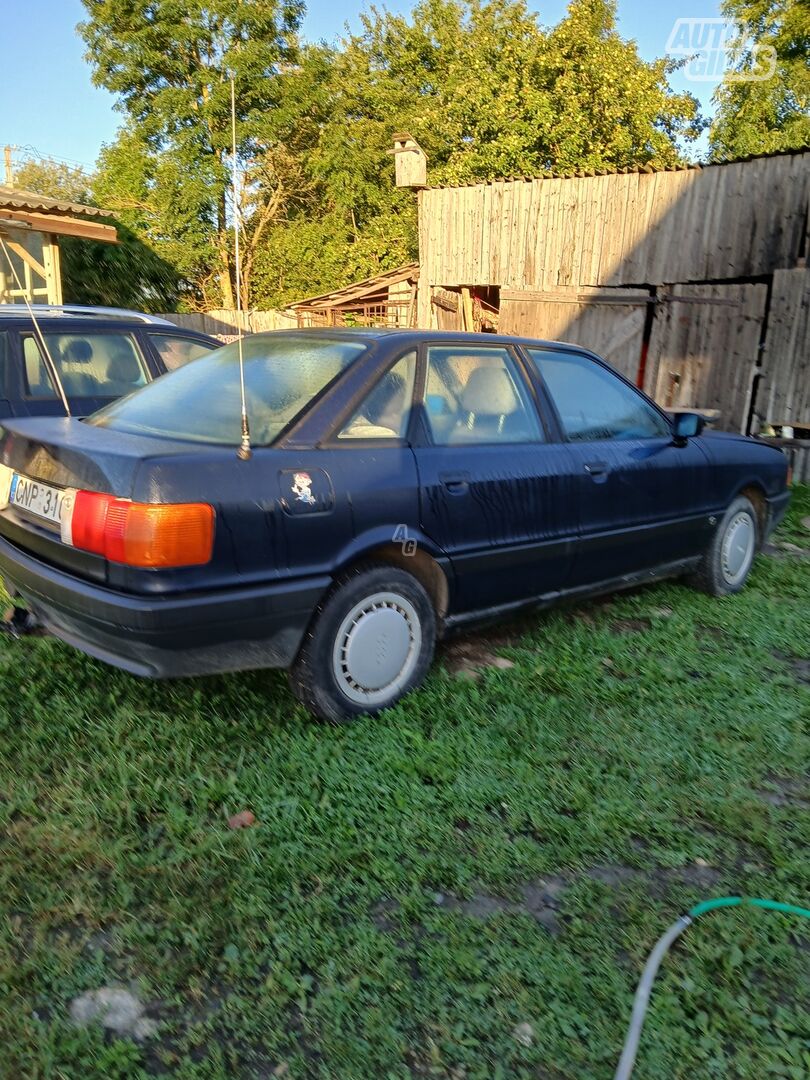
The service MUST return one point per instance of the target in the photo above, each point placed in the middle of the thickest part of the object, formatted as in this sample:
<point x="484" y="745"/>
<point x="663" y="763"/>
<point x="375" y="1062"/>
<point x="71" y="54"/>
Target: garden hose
<point x="642" y="998"/>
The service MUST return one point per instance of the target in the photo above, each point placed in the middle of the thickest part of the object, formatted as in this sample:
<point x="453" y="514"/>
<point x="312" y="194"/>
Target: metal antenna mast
<point x="39" y="337"/>
<point x="244" y="446"/>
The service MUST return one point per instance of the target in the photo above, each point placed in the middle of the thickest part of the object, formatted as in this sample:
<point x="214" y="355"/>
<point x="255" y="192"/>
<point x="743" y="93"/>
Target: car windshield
<point x="200" y="402"/>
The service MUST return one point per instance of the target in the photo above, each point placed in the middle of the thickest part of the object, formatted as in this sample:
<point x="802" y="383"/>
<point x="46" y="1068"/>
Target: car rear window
<point x="201" y="401"/>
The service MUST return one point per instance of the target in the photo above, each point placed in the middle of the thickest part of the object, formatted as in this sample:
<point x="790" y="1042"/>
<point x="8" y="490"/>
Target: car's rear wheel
<point x="370" y="642"/>
<point x="727" y="561"/>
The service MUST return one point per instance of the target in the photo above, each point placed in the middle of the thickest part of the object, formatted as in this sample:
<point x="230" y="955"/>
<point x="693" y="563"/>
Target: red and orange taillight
<point x="139" y="534"/>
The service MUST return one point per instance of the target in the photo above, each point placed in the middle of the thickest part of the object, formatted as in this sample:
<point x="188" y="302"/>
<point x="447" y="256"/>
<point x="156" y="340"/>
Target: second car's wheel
<point x="727" y="561"/>
<point x="370" y="641"/>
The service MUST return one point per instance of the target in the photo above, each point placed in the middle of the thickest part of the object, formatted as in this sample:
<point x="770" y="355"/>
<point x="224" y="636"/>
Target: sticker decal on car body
<point x="306" y="492"/>
<point x="302" y="487"/>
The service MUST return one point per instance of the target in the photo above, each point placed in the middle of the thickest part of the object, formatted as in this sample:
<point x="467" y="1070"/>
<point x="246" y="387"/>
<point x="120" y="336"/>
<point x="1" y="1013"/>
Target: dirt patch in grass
<point x="539" y="899"/>
<point x="782" y="792"/>
<point x="785" y="549"/>
<point x="466" y="657"/>
<point x="589" y="612"/>
<point x="799" y="667"/>
<point x="630" y="626"/>
<point x="713" y="633"/>
<point x="698" y="875"/>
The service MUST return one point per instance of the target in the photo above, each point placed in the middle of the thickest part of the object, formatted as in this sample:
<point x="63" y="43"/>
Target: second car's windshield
<point x="201" y="401"/>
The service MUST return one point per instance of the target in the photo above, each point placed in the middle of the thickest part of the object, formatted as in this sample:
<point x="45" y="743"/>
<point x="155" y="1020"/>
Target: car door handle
<point x="455" y="483"/>
<point x="596" y="468"/>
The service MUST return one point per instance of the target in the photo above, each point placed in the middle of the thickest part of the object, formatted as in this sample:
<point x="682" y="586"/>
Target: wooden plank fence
<point x="611" y="322"/>
<point x="704" y="349"/>
<point x="224" y="323"/>
<point x="706" y="266"/>
<point x="739" y="220"/>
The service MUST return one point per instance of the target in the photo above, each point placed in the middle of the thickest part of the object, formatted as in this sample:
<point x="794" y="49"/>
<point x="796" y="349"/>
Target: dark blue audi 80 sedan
<point x="399" y="484"/>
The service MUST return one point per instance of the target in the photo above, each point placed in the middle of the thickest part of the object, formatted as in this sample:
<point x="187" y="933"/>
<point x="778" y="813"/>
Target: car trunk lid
<point x="65" y="453"/>
<point x="70" y="453"/>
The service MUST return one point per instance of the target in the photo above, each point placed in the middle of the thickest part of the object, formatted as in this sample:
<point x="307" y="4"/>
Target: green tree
<point x="488" y="93"/>
<point x="130" y="273"/>
<point x="170" y="65"/>
<point x="54" y="179"/>
<point x="765" y="115"/>
<point x="611" y="108"/>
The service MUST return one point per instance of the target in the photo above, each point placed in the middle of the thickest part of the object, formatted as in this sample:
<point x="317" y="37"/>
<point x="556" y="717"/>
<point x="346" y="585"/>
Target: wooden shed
<point x="389" y="299"/>
<point x="692" y="281"/>
<point x="30" y="228"/>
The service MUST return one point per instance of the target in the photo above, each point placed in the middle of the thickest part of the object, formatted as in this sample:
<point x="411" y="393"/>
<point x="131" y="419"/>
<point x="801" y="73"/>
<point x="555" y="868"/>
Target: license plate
<point x="43" y="501"/>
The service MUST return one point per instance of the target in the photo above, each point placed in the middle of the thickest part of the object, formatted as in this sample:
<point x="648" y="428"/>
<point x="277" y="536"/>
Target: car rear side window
<point x="476" y="395"/>
<point x="201" y="401"/>
<point x="386" y="409"/>
<point x="89" y="365"/>
<point x="175" y="351"/>
<point x="593" y="403"/>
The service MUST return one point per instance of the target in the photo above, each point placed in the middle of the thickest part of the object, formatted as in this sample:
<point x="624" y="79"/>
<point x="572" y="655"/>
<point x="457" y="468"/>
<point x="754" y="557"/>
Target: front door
<point x="493" y="491"/>
<point x="643" y="501"/>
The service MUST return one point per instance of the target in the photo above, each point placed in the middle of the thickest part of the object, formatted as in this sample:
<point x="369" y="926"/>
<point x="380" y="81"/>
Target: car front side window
<point x="476" y="395"/>
<point x="593" y="403"/>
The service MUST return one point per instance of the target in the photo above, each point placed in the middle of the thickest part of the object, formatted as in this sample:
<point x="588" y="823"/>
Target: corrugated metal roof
<point x="359" y="288"/>
<point x="575" y="173"/>
<point x="13" y="199"/>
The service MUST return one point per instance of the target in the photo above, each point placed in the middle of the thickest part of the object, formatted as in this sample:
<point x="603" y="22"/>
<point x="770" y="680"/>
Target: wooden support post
<point x="53" y="271"/>
<point x="468" y="319"/>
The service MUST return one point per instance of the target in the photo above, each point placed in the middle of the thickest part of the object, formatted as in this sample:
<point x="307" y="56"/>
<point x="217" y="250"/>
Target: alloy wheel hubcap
<point x="377" y="648"/>
<point x="738" y="547"/>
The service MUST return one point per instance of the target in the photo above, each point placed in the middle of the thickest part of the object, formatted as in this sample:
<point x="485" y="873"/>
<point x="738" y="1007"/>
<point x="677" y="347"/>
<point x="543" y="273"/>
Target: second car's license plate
<point x="41" y="500"/>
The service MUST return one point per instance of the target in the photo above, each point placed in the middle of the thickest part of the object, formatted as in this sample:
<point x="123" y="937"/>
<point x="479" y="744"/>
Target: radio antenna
<point x="38" y="335"/>
<point x="244" y="446"/>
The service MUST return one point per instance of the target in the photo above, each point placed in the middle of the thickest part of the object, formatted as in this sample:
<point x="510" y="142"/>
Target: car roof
<point x="407" y="335"/>
<point x="88" y="319"/>
<point x="79" y="311"/>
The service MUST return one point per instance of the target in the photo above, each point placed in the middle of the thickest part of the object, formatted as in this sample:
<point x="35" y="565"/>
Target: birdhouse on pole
<point x="410" y="161"/>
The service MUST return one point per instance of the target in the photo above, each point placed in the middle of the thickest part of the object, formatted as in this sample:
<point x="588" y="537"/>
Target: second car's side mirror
<point x="686" y="426"/>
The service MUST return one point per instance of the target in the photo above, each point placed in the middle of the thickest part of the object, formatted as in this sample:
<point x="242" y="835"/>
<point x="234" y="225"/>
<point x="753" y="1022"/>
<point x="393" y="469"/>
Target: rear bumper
<point x="167" y="636"/>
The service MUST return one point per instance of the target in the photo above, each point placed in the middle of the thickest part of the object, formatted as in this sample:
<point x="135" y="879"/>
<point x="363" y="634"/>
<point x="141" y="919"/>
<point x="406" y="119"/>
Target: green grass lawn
<point x="491" y="853"/>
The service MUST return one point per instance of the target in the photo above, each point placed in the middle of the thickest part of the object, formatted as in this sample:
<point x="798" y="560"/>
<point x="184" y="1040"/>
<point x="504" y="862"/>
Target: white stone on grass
<point x="114" y="1008"/>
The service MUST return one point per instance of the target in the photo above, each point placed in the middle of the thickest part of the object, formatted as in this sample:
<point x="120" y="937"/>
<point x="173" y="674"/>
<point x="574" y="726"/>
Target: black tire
<point x="399" y="620"/>
<point x="714" y="575"/>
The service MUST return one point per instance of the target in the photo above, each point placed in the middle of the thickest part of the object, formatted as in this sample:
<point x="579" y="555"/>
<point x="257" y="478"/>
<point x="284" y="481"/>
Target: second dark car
<point x="401" y="483"/>
<point x="100" y="354"/>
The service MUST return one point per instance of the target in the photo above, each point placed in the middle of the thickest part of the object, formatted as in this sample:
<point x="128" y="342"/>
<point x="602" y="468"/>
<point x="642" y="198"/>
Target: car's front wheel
<point x="727" y="561"/>
<point x="370" y="642"/>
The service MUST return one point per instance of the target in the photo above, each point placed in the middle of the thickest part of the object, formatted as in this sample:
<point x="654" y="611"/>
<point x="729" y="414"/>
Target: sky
<point x="55" y="111"/>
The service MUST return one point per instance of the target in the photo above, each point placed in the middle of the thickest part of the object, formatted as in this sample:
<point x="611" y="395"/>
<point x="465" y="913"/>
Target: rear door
<point x="642" y="500"/>
<point x="369" y="467"/>
<point x="494" y="490"/>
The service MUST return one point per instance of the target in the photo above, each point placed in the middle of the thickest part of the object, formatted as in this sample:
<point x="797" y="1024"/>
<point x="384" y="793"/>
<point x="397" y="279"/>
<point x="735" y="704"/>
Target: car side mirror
<point x="686" y="426"/>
